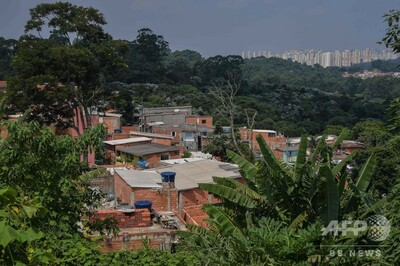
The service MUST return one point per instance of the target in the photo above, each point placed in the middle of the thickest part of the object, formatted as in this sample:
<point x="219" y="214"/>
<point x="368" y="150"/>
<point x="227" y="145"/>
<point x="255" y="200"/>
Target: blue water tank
<point x="168" y="176"/>
<point x="143" y="204"/>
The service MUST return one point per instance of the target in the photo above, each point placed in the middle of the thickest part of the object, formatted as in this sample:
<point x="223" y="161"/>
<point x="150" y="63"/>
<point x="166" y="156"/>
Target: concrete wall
<point x="168" y="119"/>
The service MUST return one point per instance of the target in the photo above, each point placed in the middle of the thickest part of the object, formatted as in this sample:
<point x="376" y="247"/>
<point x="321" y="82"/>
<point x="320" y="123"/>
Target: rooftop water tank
<point x="168" y="176"/>
<point x="143" y="204"/>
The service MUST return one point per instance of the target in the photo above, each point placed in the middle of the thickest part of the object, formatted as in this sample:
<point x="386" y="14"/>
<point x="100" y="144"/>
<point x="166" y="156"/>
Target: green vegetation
<point x="277" y="217"/>
<point x="273" y="219"/>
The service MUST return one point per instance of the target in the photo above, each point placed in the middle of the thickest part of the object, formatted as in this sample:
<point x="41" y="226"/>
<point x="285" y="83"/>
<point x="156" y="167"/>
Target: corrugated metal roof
<point x="126" y="141"/>
<point x="135" y="178"/>
<point x="146" y="149"/>
<point x="145" y="134"/>
<point x="290" y="148"/>
<point x="182" y="160"/>
<point x="189" y="175"/>
<point x="264" y="130"/>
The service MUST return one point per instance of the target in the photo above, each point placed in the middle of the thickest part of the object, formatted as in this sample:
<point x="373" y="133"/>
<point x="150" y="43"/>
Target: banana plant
<point x="313" y="188"/>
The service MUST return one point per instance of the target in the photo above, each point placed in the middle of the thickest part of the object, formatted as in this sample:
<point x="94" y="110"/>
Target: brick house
<point x="200" y="120"/>
<point x="169" y="130"/>
<point x="151" y="116"/>
<point x="134" y="185"/>
<point x="112" y="145"/>
<point x="271" y="138"/>
<point x="349" y="146"/>
<point x="163" y="139"/>
<point x="146" y="155"/>
<point x="192" y="137"/>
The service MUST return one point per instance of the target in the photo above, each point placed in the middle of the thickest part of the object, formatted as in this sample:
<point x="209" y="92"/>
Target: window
<point x="165" y="157"/>
<point x="173" y="133"/>
<point x="188" y="136"/>
<point x="203" y="121"/>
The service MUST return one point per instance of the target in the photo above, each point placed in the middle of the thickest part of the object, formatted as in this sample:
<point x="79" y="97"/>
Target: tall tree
<point x="219" y="69"/>
<point x="144" y="59"/>
<point x="181" y="66"/>
<point x="73" y="61"/>
<point x="7" y="49"/>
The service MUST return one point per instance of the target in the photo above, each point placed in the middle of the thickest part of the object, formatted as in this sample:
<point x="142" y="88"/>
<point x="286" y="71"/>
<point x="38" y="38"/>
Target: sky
<point x="224" y="27"/>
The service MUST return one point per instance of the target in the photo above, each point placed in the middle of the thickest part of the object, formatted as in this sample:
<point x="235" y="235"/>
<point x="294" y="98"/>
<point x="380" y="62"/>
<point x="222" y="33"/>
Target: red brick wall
<point x="127" y="129"/>
<point x="3" y="132"/>
<point x="122" y="189"/>
<point x="153" y="160"/>
<point x="166" y="142"/>
<point x="111" y="123"/>
<point x="196" y="196"/>
<point x="137" y="218"/>
<point x="244" y="134"/>
<point x="199" y="120"/>
<point x="272" y="142"/>
<point x="168" y="131"/>
<point x="136" y="240"/>
<point x="158" y="197"/>
<point x="194" y="215"/>
<point x="133" y="144"/>
<point x="120" y="136"/>
<point x="163" y="141"/>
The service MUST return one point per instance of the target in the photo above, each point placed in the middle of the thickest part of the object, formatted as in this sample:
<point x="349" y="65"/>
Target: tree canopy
<point x="65" y="71"/>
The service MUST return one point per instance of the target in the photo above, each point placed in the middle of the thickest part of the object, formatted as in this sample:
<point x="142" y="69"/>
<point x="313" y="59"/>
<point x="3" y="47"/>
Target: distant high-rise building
<point x="366" y="56"/>
<point x="346" y="58"/>
<point x="337" y="58"/>
<point x="355" y="57"/>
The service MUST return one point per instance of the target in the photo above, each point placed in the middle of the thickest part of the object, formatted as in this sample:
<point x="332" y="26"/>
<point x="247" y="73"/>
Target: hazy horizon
<point x="223" y="27"/>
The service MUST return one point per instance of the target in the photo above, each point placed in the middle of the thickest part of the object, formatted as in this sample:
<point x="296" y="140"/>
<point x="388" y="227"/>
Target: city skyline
<point x="337" y="58"/>
<point x="222" y="27"/>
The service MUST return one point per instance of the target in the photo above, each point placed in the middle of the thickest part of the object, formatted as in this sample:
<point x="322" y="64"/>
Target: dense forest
<point x="289" y="97"/>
